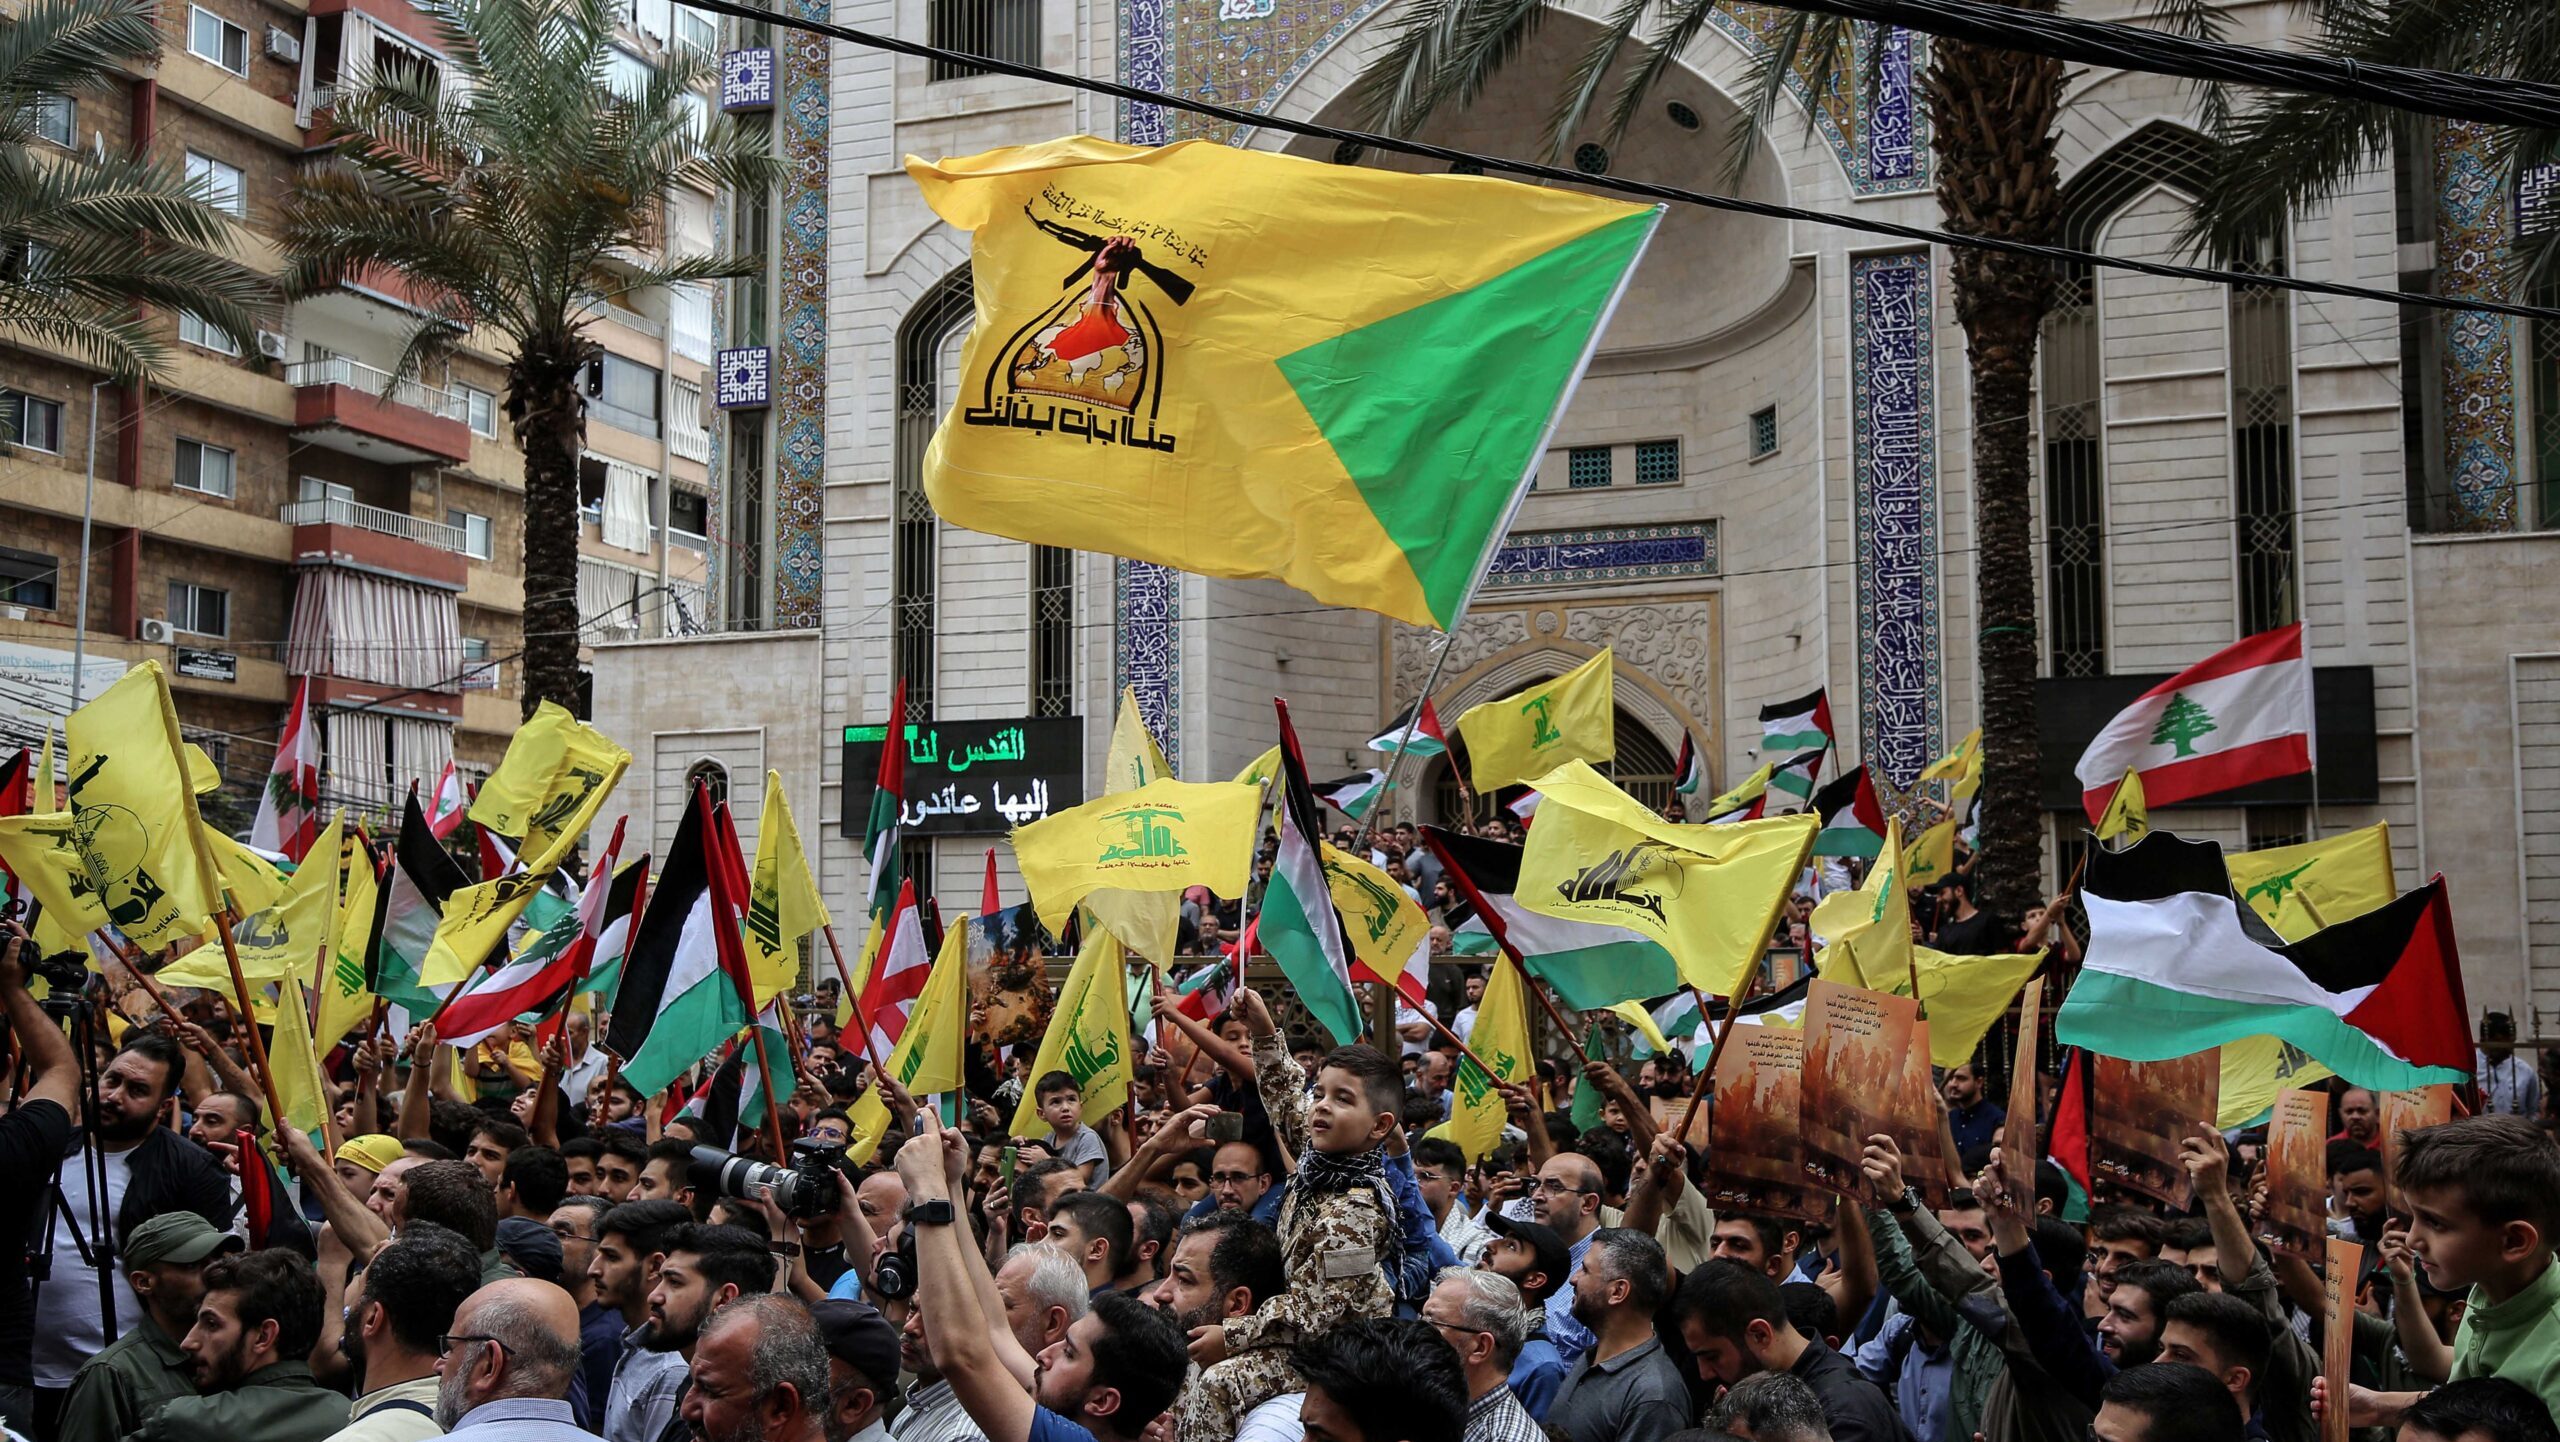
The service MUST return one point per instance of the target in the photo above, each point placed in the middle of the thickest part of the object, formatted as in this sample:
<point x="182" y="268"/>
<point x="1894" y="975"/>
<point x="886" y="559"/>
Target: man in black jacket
<point x="149" y="1169"/>
<point x="31" y="1136"/>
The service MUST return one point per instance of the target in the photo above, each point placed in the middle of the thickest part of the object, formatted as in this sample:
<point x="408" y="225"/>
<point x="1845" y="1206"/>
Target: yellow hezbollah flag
<point x="1868" y="932"/>
<point x="1164" y="836"/>
<point x="285" y="937"/>
<point x="1260" y="769"/>
<point x="44" y="851"/>
<point x="1707" y="895"/>
<point x="137" y="812"/>
<point x="1249" y="364"/>
<point x="2128" y="813"/>
<point x="297" y="1062"/>
<point x="1386" y="925"/>
<point x="2300" y="889"/>
<point x="1962" y="766"/>
<point x="1931" y="856"/>
<point x="1748" y="790"/>
<point x="344" y="1001"/>
<point x="253" y="881"/>
<point x="1634" y="1015"/>
<point x="1088" y="1036"/>
<point x="783" y="904"/>
<point x="1571" y="718"/>
<point x="1501" y="1037"/>
<point x="1876" y="914"/>
<point x="926" y="1059"/>
<point x="547" y="788"/>
<point x="1145" y="920"/>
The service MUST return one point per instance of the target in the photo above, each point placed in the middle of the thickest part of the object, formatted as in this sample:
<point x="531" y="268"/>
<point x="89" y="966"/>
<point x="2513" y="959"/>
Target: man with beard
<point x="396" y="1310"/>
<point x="2129" y="1333"/>
<point x="1625" y="1386"/>
<point x="220" y="1117"/>
<point x="254" y="1329"/>
<point x="631" y="1245"/>
<point x="1225" y="1265"/>
<point x="149" y="1170"/>
<point x="760" y="1375"/>
<point x="164" y="1260"/>
<point x="862" y="1368"/>
<point x="933" y="1412"/>
<point x="575" y="1222"/>
<point x="707" y="1268"/>
<point x="505" y="1370"/>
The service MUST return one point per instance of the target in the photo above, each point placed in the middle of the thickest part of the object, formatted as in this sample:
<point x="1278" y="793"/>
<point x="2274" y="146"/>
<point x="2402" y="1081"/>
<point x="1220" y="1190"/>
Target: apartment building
<point x="297" y="510"/>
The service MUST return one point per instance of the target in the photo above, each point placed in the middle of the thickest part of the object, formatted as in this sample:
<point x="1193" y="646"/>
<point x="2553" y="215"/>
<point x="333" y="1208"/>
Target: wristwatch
<point x="930" y="1214"/>
<point x="1908" y="1202"/>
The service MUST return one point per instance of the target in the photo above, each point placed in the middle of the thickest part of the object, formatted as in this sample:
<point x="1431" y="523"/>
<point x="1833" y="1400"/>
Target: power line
<point x="1643" y="189"/>
<point x="2490" y="99"/>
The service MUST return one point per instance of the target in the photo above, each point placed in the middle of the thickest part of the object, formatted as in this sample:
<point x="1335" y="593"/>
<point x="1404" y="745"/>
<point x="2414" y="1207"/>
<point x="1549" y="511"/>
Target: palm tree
<point x="1992" y="115"/>
<point x="521" y="196"/>
<point x="88" y="240"/>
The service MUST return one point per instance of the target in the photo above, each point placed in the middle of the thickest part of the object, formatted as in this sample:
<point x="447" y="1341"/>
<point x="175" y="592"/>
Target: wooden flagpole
<point x="1715" y="1051"/>
<point x="852" y="1001"/>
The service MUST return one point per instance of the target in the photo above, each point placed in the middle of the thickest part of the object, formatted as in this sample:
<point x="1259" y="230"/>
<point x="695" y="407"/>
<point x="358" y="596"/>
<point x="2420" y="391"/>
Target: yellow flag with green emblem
<point x="1260" y="770"/>
<point x="286" y="937"/>
<point x="1248" y="364"/>
<point x="1501" y="1037"/>
<point x="1571" y="718"/>
<point x="2300" y="889"/>
<point x="556" y="774"/>
<point x="1164" y="836"/>
<point x="299" y="1085"/>
<point x="344" y="1001"/>
<point x="1088" y="1036"/>
<point x="1386" y="925"/>
<point x="926" y="1060"/>
<point x="1147" y="920"/>
<point x="783" y="904"/>
<point x="137" y="811"/>
<point x="2128" y="812"/>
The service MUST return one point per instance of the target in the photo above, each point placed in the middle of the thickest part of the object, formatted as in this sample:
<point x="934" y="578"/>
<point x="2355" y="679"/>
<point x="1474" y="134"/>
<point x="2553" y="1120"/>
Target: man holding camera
<point x="33" y="1137"/>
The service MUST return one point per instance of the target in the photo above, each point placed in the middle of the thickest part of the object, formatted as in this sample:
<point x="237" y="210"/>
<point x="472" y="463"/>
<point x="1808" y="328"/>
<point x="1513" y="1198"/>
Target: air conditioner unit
<point x="283" y="44"/>
<point x="272" y="344"/>
<point x="156" y="632"/>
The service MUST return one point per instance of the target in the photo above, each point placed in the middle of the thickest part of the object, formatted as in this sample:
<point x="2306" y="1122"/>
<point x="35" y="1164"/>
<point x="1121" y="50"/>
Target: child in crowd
<point x="1062" y="1107"/>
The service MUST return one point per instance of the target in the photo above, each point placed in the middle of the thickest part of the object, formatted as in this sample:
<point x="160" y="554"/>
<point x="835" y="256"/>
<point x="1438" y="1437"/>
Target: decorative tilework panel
<point x="742" y="378"/>
<point x="1883" y="143"/>
<point x="1900" y="690"/>
<point x="2537" y="200"/>
<point x="746" y="80"/>
<point x="2479" y="383"/>
<point x="1149" y="615"/>
<point x="800" y="362"/>
<point x="1608" y="553"/>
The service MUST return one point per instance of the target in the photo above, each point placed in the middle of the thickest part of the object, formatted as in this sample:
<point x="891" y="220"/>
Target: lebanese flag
<point x="289" y="806"/>
<point x="898" y="978"/>
<point x="2240" y="715"/>
<point x="445" y="809"/>
<point x="1413" y="982"/>
<point x="549" y="968"/>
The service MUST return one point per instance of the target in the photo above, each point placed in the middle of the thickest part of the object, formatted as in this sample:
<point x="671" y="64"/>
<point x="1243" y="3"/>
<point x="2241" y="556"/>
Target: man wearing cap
<point x="862" y="1368"/>
<point x="361" y="1159"/>
<point x="1537" y="1261"/>
<point x="130" y="1377"/>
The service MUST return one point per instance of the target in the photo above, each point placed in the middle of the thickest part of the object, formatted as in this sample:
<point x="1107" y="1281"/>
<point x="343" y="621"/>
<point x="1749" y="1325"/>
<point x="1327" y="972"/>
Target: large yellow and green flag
<point x="1870" y="946"/>
<point x="1705" y="898"/>
<point x="546" y="791"/>
<point x="783" y="904"/>
<point x="1501" y="1037"/>
<point x="1571" y="718"/>
<point x="1088" y="1036"/>
<point x="1164" y="836"/>
<point x="344" y="992"/>
<point x="926" y="1061"/>
<point x="1248" y="364"/>
<point x="137" y="812"/>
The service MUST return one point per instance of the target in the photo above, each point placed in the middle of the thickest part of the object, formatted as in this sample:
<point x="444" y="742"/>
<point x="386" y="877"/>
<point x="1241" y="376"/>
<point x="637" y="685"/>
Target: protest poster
<point x="1866" y="1072"/>
<point x="2019" y="1143"/>
<point x="2338" y="1334"/>
<point x="1755" y="1162"/>
<point x="2295" y="1221"/>
<point x="2404" y="1111"/>
<point x="2138" y="1113"/>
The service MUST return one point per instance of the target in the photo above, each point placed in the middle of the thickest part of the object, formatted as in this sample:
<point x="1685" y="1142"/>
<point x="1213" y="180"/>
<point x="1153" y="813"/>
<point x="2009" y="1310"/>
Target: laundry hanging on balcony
<point x="367" y="628"/>
<point x="626" y="507"/>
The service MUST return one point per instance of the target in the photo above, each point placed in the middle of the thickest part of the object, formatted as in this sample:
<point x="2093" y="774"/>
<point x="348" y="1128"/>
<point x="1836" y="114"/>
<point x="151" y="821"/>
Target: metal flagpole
<point x="1385" y="809"/>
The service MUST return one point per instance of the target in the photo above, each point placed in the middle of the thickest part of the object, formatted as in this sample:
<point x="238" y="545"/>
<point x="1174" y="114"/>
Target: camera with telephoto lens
<point x="893" y="1272"/>
<point x="806" y="1188"/>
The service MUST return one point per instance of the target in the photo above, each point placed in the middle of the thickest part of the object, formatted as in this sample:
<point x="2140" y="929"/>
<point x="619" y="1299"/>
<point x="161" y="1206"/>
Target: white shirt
<point x="1408" y="1015"/>
<point x="2509" y="1086"/>
<point x="578" y="1078"/>
<point x="69" y="1330"/>
<point x="1274" y="1421"/>
<point x="934" y="1414"/>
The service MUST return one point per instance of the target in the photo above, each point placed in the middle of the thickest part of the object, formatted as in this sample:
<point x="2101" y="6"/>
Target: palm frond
<point x="58" y="46"/>
<point x="1451" y="49"/>
<point x="1591" y="73"/>
<point x="1681" y="25"/>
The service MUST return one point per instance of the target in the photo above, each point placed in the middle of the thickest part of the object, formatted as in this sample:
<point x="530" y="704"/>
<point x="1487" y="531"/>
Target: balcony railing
<point x="374" y="381"/>
<point x="377" y="520"/>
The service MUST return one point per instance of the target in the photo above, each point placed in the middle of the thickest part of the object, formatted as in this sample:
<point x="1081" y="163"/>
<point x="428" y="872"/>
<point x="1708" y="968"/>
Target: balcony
<point x="345" y="405"/>
<point x="355" y="536"/>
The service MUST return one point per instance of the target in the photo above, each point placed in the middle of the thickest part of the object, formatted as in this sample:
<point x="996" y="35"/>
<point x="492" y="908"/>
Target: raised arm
<point x="958" y="1330"/>
<point x="54" y="1074"/>
<point x="1233" y="1062"/>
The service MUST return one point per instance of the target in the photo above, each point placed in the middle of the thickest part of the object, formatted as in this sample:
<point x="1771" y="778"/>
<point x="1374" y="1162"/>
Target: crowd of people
<point x="1265" y="1243"/>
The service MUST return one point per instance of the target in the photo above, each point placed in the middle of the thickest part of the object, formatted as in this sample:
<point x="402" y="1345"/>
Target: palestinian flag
<point x="2176" y="964"/>
<point x="263" y="1197"/>
<point x="680" y="995"/>
<point x="1689" y="774"/>
<point x="1351" y="795"/>
<point x="751" y="1078"/>
<point x="880" y="828"/>
<point x="1298" y="924"/>
<point x="1791" y="782"/>
<point x="1590" y="966"/>
<point x="1747" y="801"/>
<point x="420" y="878"/>
<point x="2067" y="1139"/>
<point x="602" y="972"/>
<point x="898" y="977"/>
<point x="714" y="1105"/>
<point x="1471" y="937"/>
<point x="544" y="974"/>
<point x="1852" y="819"/>
<point x="1803" y="724"/>
<point x="1416" y="731"/>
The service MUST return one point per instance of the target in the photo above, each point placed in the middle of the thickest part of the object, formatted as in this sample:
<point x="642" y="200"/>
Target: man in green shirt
<point x="124" y="1384"/>
<point x="257" y="1324"/>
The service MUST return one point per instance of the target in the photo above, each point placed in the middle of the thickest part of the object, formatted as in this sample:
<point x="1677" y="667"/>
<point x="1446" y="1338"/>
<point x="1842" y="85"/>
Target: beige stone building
<point x="1761" y="487"/>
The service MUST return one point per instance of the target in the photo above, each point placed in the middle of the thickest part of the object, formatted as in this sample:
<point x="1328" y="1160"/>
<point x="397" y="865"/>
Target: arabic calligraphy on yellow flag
<point x="550" y="784"/>
<point x="1145" y="921"/>
<point x="1571" y="718"/>
<point x="1088" y="1036"/>
<point x="1501" y="1037"/>
<point x="137" y="811"/>
<point x="783" y="904"/>
<point x="1385" y="924"/>
<point x="281" y="939"/>
<point x="1164" y="836"/>
<point x="42" y="850"/>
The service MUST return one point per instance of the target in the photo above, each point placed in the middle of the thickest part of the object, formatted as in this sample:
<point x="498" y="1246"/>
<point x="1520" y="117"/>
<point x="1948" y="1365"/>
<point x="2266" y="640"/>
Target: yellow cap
<point x="372" y="1152"/>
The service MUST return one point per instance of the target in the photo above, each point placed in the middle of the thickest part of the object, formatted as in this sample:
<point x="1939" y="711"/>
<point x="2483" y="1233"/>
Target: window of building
<point x="480" y="408"/>
<point x="2542" y="398"/>
<point x="210" y="469"/>
<point x="945" y="312"/>
<point x="27" y="578"/>
<point x="696" y="31"/>
<point x="1587" y="467"/>
<point x="2074" y="488"/>
<point x="202" y="610"/>
<point x="397" y="59"/>
<point x="33" y="422"/>
<point x="744" y="548"/>
<point x="335" y="492"/>
<point x="53" y="117"/>
<point x="624" y="393"/>
<point x="709" y="776"/>
<point x="2262" y="448"/>
<point x="2276" y="826"/>
<point x="1657" y="463"/>
<point x="697" y="115"/>
<point x="1053" y="631"/>
<point x="688" y="512"/>
<point x="475" y="533"/>
<point x="996" y="29"/>
<point x="196" y="330"/>
<point x="210" y="37"/>
<point x="750" y="295"/>
<point x="220" y="183"/>
<point x="1764" y="432"/>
